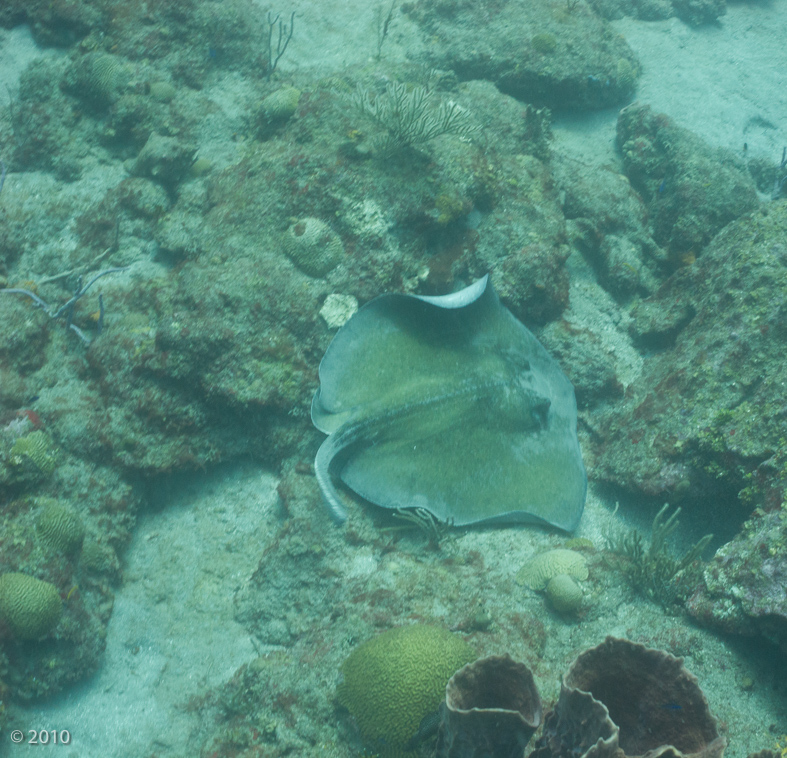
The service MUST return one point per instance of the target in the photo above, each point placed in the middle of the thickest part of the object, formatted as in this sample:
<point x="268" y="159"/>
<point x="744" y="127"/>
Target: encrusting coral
<point x="392" y="681"/>
<point x="31" y="608"/>
<point x="491" y="707"/>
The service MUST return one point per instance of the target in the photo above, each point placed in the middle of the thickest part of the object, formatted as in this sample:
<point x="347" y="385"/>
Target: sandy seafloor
<point x="172" y="633"/>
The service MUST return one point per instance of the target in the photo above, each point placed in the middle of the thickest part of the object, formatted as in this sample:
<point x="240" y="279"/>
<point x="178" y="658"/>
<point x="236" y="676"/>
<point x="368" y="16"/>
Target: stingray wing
<point x="475" y="470"/>
<point x="383" y="381"/>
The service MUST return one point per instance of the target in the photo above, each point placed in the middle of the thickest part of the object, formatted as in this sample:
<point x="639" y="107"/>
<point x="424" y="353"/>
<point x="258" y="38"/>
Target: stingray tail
<point x="322" y="463"/>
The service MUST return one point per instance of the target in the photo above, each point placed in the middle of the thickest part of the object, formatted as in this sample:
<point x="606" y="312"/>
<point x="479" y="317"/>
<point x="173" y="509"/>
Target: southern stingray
<point x="451" y="405"/>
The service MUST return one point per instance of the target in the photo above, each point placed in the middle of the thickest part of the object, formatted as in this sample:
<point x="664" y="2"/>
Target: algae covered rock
<point x="395" y="679"/>
<point x="563" y="58"/>
<point x="165" y="159"/>
<point x="31" y="608"/>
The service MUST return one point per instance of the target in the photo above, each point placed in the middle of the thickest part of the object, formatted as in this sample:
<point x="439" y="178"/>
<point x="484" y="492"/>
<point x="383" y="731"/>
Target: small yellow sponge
<point x="395" y="679"/>
<point x="30" y="607"/>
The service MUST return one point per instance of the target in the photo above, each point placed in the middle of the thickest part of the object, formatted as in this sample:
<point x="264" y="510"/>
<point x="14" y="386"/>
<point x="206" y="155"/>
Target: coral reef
<point x="693" y="12"/>
<point x="31" y="608"/>
<point x="396" y="678"/>
<point x="649" y="704"/>
<point x="491" y="707"/>
<point x="600" y="71"/>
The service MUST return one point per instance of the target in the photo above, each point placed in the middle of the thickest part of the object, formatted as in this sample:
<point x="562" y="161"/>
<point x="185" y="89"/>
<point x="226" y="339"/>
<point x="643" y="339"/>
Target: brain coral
<point x="396" y="678"/>
<point x="36" y="447"/>
<point x="30" y="607"/>
<point x="313" y="246"/>
<point x="60" y="527"/>
<point x="537" y="572"/>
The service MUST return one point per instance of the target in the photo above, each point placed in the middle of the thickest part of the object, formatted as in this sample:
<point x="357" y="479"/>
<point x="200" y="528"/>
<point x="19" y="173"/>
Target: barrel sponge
<point x="396" y="678"/>
<point x="30" y="607"/>
<point x="313" y="246"/>
<point x="60" y="527"/>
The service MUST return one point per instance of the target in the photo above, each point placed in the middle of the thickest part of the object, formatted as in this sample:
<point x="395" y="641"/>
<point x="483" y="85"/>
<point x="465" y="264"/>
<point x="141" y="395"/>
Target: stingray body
<point x="451" y="405"/>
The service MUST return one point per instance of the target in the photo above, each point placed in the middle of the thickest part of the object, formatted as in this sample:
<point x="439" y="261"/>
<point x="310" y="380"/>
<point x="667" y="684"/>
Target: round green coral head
<point x="395" y="679"/>
<point x="30" y="607"/>
<point x="60" y="526"/>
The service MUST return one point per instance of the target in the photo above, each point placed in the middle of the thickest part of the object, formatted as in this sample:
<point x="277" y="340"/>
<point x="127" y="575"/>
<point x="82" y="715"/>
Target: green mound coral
<point x="564" y="594"/>
<point x="281" y="104"/>
<point x="31" y="608"/>
<point x="60" y="527"/>
<point x="395" y="679"/>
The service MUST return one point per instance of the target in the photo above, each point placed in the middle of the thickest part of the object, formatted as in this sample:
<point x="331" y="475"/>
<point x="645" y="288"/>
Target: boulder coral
<point x="392" y="681"/>
<point x="564" y="594"/>
<point x="31" y="608"/>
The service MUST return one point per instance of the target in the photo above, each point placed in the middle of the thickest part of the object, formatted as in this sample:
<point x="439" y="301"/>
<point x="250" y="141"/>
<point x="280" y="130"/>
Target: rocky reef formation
<point x="743" y="587"/>
<point x="567" y="59"/>
<point x="704" y="420"/>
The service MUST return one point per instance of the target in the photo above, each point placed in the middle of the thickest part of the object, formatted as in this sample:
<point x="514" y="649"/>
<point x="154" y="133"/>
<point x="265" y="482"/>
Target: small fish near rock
<point x="450" y="405"/>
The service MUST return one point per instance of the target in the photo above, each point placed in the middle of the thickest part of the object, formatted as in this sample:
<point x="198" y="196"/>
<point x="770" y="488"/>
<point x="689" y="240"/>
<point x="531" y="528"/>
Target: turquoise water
<point x="242" y="215"/>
